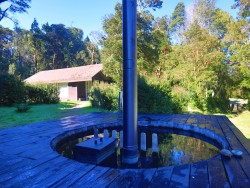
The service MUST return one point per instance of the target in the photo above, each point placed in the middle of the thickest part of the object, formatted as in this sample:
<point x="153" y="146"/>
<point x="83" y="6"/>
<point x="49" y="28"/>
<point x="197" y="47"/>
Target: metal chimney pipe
<point x="130" y="141"/>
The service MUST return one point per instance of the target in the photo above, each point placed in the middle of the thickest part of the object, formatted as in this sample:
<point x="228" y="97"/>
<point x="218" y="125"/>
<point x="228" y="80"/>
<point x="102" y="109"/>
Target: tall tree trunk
<point x="92" y="56"/>
<point x="54" y="59"/>
<point x="36" y="62"/>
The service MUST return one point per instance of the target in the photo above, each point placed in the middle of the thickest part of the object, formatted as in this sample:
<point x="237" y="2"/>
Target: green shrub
<point x="42" y="94"/>
<point x="180" y="99"/>
<point x="12" y="90"/>
<point x="154" y="97"/>
<point x="104" y="95"/>
<point x="197" y="101"/>
<point x="23" y="107"/>
<point x="217" y="105"/>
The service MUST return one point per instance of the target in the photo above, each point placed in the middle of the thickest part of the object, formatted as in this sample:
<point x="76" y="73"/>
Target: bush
<point x="217" y="105"/>
<point x="180" y="99"/>
<point x="154" y="97"/>
<point x="197" y="101"/>
<point x="104" y="95"/>
<point x="42" y="94"/>
<point x="23" y="107"/>
<point x="12" y="90"/>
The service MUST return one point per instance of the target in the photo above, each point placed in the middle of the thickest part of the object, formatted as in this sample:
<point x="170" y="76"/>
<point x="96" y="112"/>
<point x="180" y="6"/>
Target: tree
<point x="64" y="47"/>
<point x="25" y="52"/>
<point x="154" y="4"/>
<point x="238" y="57"/>
<point x="112" y="45"/>
<point x="211" y="18"/>
<point x="177" y="24"/>
<point x="151" y="35"/>
<point x="6" y="39"/>
<point x="178" y="17"/>
<point x="92" y="50"/>
<point x="14" y="6"/>
<point x="219" y="21"/>
<point x="22" y="59"/>
<point x="196" y="67"/>
<point x="244" y="6"/>
<point x="36" y="47"/>
<point x="78" y="53"/>
<point x="204" y="11"/>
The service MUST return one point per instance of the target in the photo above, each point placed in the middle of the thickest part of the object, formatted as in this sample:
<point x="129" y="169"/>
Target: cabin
<point x="74" y="83"/>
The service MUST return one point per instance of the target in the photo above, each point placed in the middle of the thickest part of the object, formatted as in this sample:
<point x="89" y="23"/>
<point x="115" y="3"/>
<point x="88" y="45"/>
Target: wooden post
<point x="106" y="133"/>
<point x="143" y="142"/>
<point x="154" y="143"/>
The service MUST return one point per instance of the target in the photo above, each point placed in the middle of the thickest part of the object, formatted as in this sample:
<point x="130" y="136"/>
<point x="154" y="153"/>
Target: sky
<point x="87" y="14"/>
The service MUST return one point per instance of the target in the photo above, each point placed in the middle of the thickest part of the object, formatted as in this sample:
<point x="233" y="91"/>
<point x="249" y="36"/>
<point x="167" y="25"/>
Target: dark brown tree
<point x="14" y="6"/>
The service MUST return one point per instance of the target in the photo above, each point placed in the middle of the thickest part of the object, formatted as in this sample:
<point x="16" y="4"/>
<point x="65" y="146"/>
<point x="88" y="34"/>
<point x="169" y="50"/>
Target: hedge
<point x="42" y="94"/>
<point x="12" y="90"/>
<point x="104" y="95"/>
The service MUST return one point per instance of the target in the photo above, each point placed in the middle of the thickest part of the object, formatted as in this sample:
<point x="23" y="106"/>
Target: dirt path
<point x="76" y="110"/>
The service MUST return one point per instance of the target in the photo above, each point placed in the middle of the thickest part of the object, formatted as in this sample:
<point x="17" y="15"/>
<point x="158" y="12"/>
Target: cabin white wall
<point x="64" y="91"/>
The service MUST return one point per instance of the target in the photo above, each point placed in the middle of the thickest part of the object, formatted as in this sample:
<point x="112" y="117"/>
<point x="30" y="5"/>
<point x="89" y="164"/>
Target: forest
<point x="199" y="55"/>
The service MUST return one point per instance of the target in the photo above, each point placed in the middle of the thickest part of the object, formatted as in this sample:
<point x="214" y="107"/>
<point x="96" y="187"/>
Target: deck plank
<point x="89" y="177"/>
<point x="180" y="176"/>
<point x="27" y="159"/>
<point x="217" y="175"/>
<point x="133" y="178"/>
<point x="242" y="139"/>
<point x="162" y="177"/>
<point x="105" y="179"/>
<point x="242" y="162"/>
<point x="238" y="179"/>
<point x="72" y="177"/>
<point x="199" y="175"/>
<point x="62" y="172"/>
<point x="21" y="175"/>
<point x="24" y="166"/>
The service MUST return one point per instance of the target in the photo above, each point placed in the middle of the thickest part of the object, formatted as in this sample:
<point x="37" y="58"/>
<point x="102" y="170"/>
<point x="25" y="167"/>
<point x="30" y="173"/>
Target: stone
<point x="237" y="153"/>
<point x="226" y="153"/>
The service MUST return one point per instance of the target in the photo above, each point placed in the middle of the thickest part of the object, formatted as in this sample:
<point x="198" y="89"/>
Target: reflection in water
<point x="177" y="149"/>
<point x="173" y="150"/>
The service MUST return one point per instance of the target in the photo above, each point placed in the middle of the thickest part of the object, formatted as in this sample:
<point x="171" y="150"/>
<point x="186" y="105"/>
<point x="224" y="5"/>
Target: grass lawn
<point x="242" y="122"/>
<point x="38" y="113"/>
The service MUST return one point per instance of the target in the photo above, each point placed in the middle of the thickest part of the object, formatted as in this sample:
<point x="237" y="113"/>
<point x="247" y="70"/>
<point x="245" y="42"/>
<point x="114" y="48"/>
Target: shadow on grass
<point x="90" y="109"/>
<point x="42" y="112"/>
<point x="195" y="113"/>
<point x="71" y="109"/>
<point x="66" y="105"/>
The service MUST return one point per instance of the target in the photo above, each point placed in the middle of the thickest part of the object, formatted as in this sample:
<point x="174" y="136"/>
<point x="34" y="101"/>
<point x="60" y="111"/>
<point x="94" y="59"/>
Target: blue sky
<point x="87" y="14"/>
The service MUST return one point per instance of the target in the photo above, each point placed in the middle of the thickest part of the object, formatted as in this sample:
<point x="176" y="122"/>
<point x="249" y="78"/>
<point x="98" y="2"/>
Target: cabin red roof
<point x="75" y="74"/>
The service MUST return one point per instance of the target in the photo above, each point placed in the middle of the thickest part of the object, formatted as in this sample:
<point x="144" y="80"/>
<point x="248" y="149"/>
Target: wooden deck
<point x="27" y="159"/>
